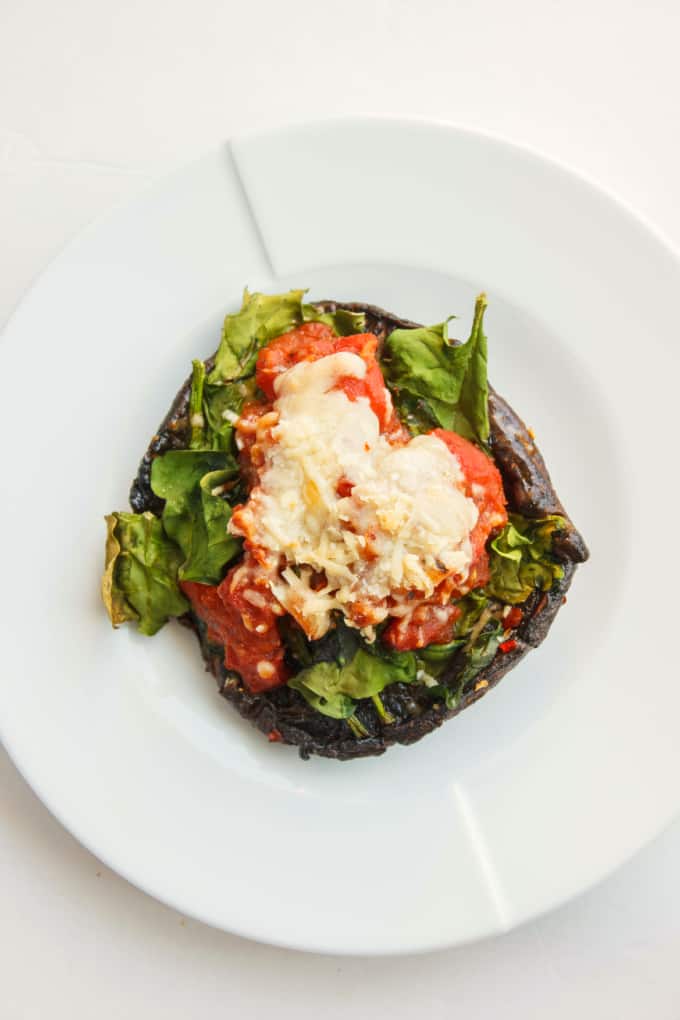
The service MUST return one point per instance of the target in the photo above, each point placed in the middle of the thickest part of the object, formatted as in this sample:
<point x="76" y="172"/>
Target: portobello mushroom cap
<point x="283" y="712"/>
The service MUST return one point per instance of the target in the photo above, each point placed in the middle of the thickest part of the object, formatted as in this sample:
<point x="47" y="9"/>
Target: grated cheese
<point x="404" y="526"/>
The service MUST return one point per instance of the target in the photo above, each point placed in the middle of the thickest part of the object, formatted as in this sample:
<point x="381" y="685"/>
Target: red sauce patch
<point x="308" y="342"/>
<point x="313" y="341"/>
<point x="484" y="485"/>
<point x="344" y="487"/>
<point x="250" y="451"/>
<point x="426" y="625"/>
<point x="239" y="615"/>
<point x="513" y="618"/>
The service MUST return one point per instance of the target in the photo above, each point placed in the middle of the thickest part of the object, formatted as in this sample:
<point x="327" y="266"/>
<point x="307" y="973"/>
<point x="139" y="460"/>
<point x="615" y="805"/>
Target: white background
<point x="95" y="100"/>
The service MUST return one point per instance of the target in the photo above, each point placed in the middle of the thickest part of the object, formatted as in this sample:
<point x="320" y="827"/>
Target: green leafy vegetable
<point x="262" y="318"/>
<point x="319" y="687"/>
<point x="480" y="654"/>
<point x="447" y="695"/>
<point x="471" y="414"/>
<point x="368" y="674"/>
<point x="435" y="382"/>
<point x="140" y="575"/>
<point x="472" y="606"/>
<point x="521" y="558"/>
<point x="222" y="405"/>
<point x="414" y="412"/>
<point x="197" y="439"/>
<point x="332" y="689"/>
<point x="474" y="658"/>
<point x="357" y="727"/>
<point x="435" y="659"/>
<point x="196" y="515"/>
<point x="117" y="606"/>
<point x="385" y="716"/>
<point x="440" y="653"/>
<point x="341" y="321"/>
<point x="338" y="645"/>
<point x="520" y="561"/>
<point x="295" y="642"/>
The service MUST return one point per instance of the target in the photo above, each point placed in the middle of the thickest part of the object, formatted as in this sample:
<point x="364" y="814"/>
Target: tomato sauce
<point x="315" y="340"/>
<point x="427" y="625"/>
<point x="482" y="483"/>
<point x="241" y="614"/>
<point x="250" y="432"/>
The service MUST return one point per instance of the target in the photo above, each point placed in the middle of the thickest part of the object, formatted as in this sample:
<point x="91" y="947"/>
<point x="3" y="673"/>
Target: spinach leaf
<point x="332" y="689"/>
<point x="195" y="515"/>
<point x="338" y="645"/>
<point x="471" y="415"/>
<point x="222" y="405"/>
<point x="140" y="576"/>
<point x="414" y="412"/>
<point x="341" y="321"/>
<point x="447" y="695"/>
<point x="434" y="659"/>
<point x="473" y="660"/>
<point x="296" y="643"/>
<point x="197" y="440"/>
<point x="262" y="318"/>
<point x="480" y="655"/>
<point x="472" y="606"/>
<point x="369" y="673"/>
<point x="521" y="558"/>
<point x="433" y="380"/>
<point x="319" y="687"/>
<point x="117" y="606"/>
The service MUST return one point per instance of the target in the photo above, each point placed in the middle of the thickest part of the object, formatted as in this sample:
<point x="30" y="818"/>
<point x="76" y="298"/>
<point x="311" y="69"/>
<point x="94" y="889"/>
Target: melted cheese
<point x="404" y="526"/>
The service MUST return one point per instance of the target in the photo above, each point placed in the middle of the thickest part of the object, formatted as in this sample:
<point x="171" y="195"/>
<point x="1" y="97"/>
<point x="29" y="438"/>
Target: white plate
<point x="530" y="796"/>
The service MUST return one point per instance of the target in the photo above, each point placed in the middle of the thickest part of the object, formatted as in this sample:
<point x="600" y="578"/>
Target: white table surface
<point x="96" y="98"/>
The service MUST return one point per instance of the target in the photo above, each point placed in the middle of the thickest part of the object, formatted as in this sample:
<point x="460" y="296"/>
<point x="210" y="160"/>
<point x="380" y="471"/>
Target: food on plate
<point x="359" y="529"/>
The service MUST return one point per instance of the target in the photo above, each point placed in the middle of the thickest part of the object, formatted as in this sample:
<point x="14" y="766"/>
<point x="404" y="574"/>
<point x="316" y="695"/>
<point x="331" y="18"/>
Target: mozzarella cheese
<point x="404" y="526"/>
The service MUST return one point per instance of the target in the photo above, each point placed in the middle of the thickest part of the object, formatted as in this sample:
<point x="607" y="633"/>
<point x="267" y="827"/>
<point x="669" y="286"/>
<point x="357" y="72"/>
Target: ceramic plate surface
<point x="528" y="797"/>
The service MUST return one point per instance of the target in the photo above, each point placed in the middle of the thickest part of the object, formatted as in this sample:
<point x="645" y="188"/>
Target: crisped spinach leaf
<point x="332" y="689"/>
<point x="414" y="412"/>
<point x="521" y="558"/>
<point x="222" y="406"/>
<point x="472" y="606"/>
<point x="339" y="645"/>
<point x="319" y="687"/>
<point x="341" y="321"/>
<point x="198" y="437"/>
<point x="473" y="660"/>
<point x="480" y="655"/>
<point x="117" y="606"/>
<point x="140" y="576"/>
<point x="437" y="383"/>
<point x="434" y="659"/>
<point x="262" y="318"/>
<point x="195" y="515"/>
<point x="520" y="561"/>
